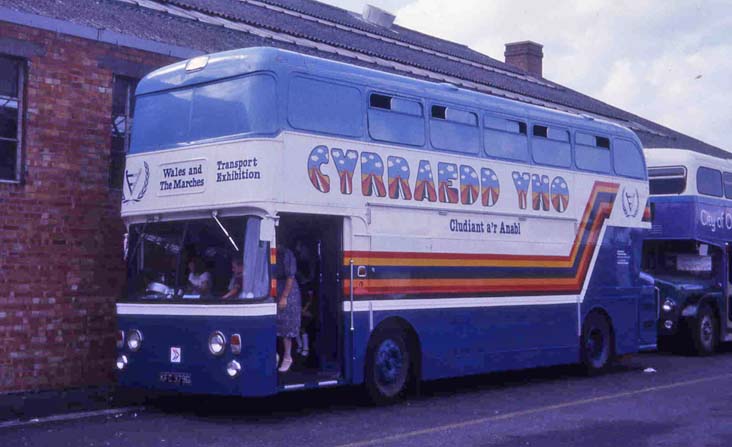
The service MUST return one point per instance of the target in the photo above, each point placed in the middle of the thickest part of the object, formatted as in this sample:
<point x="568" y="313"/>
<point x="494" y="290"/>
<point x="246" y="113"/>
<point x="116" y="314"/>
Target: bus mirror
<point x="703" y="249"/>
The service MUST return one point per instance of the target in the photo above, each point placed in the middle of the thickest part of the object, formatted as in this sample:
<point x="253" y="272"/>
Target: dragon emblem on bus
<point x="631" y="202"/>
<point x="136" y="183"/>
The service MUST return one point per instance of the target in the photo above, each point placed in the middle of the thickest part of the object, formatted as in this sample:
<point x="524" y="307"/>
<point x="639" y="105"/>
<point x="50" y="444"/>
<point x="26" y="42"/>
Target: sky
<point x="667" y="61"/>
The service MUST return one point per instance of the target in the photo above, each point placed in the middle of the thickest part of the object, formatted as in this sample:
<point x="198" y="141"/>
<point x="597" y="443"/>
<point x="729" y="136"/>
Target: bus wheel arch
<point x="597" y="341"/>
<point x="394" y="339"/>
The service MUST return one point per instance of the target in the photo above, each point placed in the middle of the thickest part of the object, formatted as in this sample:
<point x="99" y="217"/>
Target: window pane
<point x="709" y="182"/>
<point x="727" y="185"/>
<point x="628" y="159"/>
<point x="8" y="159"/>
<point x="589" y="155"/>
<point x="233" y="107"/>
<point x="216" y="110"/>
<point x="510" y="145"/>
<point x="325" y="107"/>
<point x="117" y="169"/>
<point x="120" y="96"/>
<point x="9" y="72"/>
<point x="162" y="120"/>
<point x="8" y="118"/>
<point x="667" y="180"/>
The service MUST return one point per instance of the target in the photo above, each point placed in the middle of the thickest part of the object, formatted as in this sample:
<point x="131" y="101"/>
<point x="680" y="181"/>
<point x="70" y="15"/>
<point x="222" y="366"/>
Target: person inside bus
<point x="306" y="273"/>
<point x="288" y="304"/>
<point x="237" y="279"/>
<point x="199" y="280"/>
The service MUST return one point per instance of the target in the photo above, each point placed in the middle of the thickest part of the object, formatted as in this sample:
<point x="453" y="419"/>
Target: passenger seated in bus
<point x="199" y="280"/>
<point x="288" y="304"/>
<point x="237" y="279"/>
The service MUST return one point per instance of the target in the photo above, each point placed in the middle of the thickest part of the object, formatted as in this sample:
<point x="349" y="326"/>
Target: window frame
<point x="668" y="175"/>
<point x="726" y="174"/>
<point x="575" y="144"/>
<point x="22" y="68"/>
<point x="506" y="118"/>
<point x="401" y="97"/>
<point x="128" y="114"/>
<point x="549" y="126"/>
<point x="721" y="182"/>
<point x="446" y="106"/>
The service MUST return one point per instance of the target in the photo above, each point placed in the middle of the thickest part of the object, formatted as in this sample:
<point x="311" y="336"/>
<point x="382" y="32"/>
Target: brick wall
<point x="60" y="232"/>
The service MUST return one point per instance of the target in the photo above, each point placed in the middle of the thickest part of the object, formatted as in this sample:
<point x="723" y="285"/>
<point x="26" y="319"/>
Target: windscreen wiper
<point x="214" y="214"/>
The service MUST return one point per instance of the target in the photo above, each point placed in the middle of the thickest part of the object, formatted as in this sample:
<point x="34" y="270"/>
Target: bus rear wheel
<point x="388" y="366"/>
<point x="704" y="336"/>
<point x="596" y="344"/>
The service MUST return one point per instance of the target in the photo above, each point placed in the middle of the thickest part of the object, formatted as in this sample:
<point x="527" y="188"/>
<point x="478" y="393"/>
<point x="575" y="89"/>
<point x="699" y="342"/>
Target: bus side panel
<point x="199" y="371"/>
<point x="615" y="286"/>
<point x="474" y="340"/>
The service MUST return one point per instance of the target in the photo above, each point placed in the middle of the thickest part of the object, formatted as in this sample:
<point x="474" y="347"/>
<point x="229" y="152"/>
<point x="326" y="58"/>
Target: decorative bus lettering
<point x="457" y="184"/>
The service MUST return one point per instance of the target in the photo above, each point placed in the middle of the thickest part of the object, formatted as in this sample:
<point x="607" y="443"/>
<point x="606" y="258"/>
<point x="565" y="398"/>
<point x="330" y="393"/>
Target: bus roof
<point x="657" y="157"/>
<point x="285" y="63"/>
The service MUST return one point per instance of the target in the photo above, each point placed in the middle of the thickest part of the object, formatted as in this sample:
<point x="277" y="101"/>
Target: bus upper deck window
<point x="592" y="152"/>
<point x="454" y="129"/>
<point x="709" y="182"/>
<point x="505" y="138"/>
<point x="550" y="146"/>
<point x="667" y="180"/>
<point x="396" y="119"/>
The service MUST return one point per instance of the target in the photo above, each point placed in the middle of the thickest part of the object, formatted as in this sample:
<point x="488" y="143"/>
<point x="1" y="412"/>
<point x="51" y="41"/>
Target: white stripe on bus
<point x="205" y="310"/>
<point x="454" y="303"/>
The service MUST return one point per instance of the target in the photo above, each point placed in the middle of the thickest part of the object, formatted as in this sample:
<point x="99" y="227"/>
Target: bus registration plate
<point x="175" y="378"/>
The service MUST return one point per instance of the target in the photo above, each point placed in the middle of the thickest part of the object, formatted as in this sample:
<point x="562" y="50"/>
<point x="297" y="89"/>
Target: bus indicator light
<point x="120" y="339"/>
<point x="235" y="344"/>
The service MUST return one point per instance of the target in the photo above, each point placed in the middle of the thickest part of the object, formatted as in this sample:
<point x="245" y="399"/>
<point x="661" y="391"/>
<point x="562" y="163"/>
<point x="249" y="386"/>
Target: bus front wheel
<point x="596" y="343"/>
<point x="387" y="366"/>
<point x="704" y="332"/>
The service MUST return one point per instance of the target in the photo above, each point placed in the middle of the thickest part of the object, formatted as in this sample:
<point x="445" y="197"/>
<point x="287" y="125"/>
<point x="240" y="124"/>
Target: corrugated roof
<point x="314" y="28"/>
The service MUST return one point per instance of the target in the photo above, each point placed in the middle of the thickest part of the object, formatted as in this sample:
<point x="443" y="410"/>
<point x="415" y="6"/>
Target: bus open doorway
<point x="316" y="243"/>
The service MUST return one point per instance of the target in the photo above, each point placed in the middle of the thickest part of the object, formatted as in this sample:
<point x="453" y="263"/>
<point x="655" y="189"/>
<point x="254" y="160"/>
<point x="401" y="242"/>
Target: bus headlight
<point x="233" y="369"/>
<point x="121" y="362"/>
<point x="668" y="305"/>
<point x="216" y="343"/>
<point x="134" y="340"/>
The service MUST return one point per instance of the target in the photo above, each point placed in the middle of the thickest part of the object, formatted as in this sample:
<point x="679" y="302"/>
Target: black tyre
<point x="388" y="365"/>
<point x="704" y="332"/>
<point x="596" y="344"/>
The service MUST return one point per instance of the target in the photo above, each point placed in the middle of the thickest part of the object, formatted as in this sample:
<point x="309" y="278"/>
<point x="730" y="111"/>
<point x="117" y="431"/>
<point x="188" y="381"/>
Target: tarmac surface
<point x="687" y="401"/>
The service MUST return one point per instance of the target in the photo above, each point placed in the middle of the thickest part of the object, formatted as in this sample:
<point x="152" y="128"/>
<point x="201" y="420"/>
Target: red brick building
<point x="67" y="72"/>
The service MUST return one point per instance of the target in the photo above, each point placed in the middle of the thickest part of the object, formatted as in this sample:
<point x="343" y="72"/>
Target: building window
<point x="123" y="101"/>
<point x="11" y="86"/>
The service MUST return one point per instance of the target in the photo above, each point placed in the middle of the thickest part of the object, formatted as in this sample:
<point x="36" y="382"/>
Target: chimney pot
<point x="526" y="55"/>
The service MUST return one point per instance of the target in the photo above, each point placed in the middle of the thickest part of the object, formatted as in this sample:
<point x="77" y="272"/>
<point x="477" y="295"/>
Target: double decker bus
<point x="687" y="250"/>
<point x="447" y="232"/>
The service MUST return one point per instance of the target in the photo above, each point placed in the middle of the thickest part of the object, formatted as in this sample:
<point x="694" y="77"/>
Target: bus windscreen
<point x="217" y="110"/>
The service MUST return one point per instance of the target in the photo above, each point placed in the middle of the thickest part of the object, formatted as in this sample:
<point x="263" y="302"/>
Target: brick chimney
<point x="526" y="55"/>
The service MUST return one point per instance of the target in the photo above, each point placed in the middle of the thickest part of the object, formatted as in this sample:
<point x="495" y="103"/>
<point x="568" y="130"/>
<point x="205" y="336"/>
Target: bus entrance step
<point x="298" y="380"/>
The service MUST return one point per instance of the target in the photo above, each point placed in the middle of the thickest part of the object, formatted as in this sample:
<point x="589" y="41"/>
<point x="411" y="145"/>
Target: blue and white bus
<point x="687" y="250"/>
<point x="450" y="232"/>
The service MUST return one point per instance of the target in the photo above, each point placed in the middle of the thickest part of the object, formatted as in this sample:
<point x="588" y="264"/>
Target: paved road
<point x="687" y="402"/>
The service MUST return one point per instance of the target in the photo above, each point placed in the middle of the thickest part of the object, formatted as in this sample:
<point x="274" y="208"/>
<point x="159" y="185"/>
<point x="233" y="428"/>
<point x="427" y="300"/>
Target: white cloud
<point x="644" y="56"/>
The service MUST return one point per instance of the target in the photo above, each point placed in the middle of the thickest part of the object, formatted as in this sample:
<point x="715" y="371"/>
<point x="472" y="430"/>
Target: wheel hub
<point x="389" y="362"/>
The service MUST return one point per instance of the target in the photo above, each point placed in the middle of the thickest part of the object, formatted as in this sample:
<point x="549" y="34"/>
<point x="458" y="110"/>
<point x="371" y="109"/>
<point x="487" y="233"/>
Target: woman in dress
<point x="288" y="304"/>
